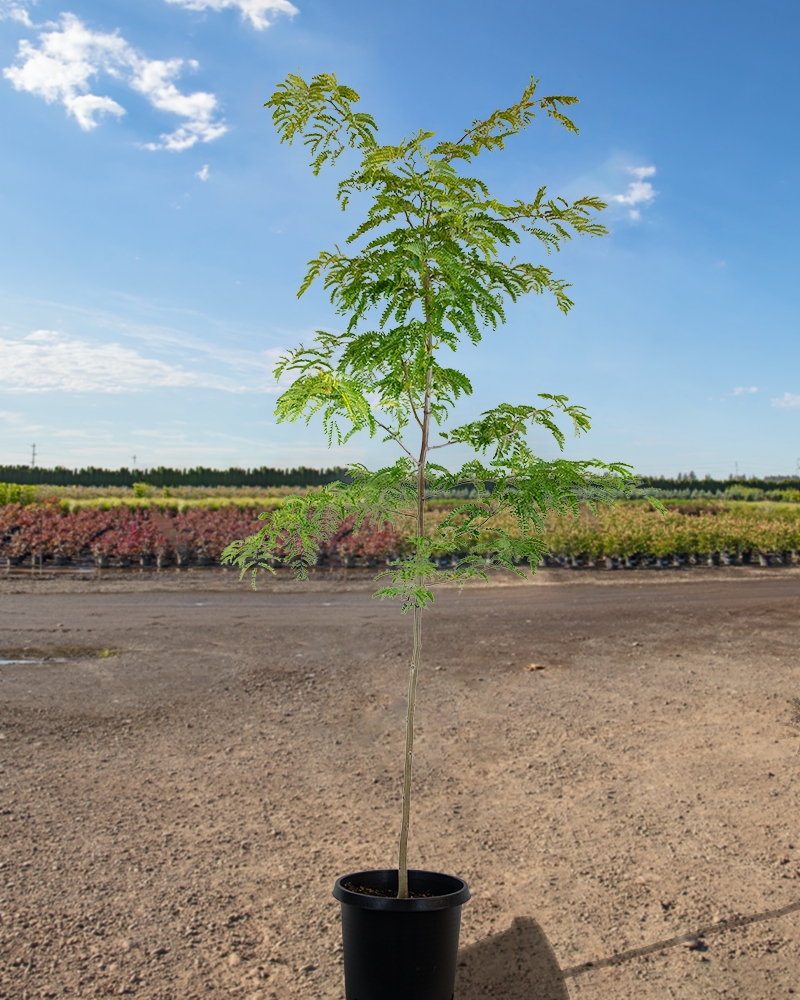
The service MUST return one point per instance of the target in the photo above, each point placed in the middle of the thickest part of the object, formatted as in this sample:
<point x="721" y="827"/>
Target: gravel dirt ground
<point x="173" y="815"/>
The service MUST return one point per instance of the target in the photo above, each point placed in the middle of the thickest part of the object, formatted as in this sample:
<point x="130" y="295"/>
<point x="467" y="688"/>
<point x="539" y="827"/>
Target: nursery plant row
<point x="193" y="532"/>
<point x="247" y="495"/>
<point x="124" y="534"/>
<point x="140" y="493"/>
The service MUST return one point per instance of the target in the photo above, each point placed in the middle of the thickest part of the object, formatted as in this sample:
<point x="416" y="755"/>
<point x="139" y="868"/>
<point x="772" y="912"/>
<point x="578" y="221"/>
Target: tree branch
<point x="410" y="397"/>
<point x="396" y="437"/>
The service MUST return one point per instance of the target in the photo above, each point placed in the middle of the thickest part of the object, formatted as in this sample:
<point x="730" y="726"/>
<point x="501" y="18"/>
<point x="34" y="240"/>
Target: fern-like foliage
<point x="427" y="269"/>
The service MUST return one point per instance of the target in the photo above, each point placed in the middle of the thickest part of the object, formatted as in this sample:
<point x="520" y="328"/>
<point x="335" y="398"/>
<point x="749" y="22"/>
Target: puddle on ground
<point x="60" y="659"/>
<point x="18" y="655"/>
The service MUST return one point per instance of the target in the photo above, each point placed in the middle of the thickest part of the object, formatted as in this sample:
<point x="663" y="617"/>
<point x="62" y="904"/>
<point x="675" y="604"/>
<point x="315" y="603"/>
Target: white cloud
<point x="46" y="361"/>
<point x="740" y="390"/>
<point x="203" y="173"/>
<point x="18" y="421"/>
<point x="71" y="55"/>
<point x="639" y="191"/>
<point x="788" y="399"/>
<point x="218" y="351"/>
<point x="16" y="10"/>
<point x="255" y="10"/>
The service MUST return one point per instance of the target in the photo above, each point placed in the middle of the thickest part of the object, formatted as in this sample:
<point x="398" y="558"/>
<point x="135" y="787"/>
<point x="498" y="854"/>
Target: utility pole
<point x="737" y="470"/>
<point x="33" y="457"/>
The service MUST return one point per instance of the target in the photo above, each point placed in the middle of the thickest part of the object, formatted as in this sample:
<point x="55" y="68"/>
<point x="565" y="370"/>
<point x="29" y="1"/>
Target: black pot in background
<point x="399" y="949"/>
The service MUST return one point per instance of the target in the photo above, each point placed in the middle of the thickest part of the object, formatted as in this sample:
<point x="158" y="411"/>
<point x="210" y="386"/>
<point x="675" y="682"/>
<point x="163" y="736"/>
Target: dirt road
<point x="174" y="814"/>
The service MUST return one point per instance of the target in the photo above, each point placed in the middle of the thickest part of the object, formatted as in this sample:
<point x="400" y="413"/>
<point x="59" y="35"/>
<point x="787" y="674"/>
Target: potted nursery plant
<point x="429" y="263"/>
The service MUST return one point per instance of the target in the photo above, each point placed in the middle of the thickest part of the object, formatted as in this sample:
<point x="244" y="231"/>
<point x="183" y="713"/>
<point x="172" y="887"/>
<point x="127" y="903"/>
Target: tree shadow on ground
<point x="520" y="964"/>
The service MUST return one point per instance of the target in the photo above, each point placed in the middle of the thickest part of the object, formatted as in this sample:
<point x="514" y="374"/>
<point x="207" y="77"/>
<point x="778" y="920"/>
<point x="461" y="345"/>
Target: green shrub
<point x="14" y="493"/>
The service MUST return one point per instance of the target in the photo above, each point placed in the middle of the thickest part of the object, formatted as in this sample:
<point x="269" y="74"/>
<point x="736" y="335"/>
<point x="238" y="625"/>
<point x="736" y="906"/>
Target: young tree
<point x="430" y="266"/>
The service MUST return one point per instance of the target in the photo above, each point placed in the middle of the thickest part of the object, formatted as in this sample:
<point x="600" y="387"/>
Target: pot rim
<point x="459" y="891"/>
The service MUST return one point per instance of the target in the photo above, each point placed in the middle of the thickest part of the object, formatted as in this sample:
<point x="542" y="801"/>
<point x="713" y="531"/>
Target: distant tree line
<point x="690" y="482"/>
<point x="26" y="475"/>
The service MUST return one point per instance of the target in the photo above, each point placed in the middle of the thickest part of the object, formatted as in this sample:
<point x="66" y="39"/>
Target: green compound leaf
<point x="428" y="267"/>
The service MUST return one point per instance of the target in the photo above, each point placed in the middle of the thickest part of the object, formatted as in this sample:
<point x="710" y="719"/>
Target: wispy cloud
<point x="786" y="400"/>
<point x="71" y="55"/>
<point x="639" y="191"/>
<point x="46" y="361"/>
<point x="177" y="339"/>
<point x="16" y="10"/>
<point x="203" y="173"/>
<point x="741" y="390"/>
<point x="18" y="421"/>
<point x="255" y="10"/>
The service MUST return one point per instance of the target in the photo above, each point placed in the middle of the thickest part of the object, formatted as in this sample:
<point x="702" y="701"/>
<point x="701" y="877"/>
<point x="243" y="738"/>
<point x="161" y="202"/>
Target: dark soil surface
<point x="193" y="764"/>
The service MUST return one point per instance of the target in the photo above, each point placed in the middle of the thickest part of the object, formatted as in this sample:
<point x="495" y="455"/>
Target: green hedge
<point x="161" y="476"/>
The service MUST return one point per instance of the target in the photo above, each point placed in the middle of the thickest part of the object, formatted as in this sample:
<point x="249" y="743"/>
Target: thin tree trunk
<point x="402" y="883"/>
<point x="402" y="868"/>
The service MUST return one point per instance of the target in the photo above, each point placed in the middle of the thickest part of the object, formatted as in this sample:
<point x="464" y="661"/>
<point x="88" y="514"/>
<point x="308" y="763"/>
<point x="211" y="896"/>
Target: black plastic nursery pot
<point x="400" y="949"/>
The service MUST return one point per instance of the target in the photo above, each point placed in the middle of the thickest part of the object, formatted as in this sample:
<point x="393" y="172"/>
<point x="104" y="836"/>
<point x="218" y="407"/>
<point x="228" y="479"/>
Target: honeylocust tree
<point x="427" y="268"/>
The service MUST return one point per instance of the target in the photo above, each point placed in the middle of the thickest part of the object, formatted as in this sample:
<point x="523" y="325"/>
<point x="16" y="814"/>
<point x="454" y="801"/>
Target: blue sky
<point x="155" y="232"/>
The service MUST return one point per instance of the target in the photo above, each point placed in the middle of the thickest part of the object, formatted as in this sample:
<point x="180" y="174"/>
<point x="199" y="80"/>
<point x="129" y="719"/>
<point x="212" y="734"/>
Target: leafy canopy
<point x="429" y="269"/>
